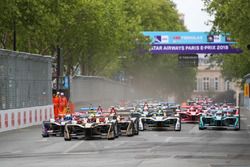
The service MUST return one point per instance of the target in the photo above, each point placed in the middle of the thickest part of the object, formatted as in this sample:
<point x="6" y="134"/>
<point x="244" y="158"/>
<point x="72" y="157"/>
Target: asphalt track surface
<point x="190" y="147"/>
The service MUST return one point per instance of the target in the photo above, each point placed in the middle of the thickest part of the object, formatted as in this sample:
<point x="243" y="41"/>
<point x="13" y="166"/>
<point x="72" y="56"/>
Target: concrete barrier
<point x="24" y="117"/>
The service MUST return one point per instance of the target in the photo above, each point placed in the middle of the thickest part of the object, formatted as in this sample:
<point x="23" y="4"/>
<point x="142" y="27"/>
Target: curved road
<point x="190" y="147"/>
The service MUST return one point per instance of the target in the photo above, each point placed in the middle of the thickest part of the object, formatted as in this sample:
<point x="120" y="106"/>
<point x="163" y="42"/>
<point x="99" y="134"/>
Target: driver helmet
<point x="67" y="118"/>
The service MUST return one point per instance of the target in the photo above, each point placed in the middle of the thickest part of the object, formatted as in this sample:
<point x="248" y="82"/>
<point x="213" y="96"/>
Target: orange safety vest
<point x="56" y="106"/>
<point x="62" y="105"/>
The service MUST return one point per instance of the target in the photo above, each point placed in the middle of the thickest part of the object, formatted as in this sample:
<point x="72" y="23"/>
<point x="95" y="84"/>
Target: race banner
<point x="191" y="43"/>
<point x="193" y="49"/>
<point x="168" y="37"/>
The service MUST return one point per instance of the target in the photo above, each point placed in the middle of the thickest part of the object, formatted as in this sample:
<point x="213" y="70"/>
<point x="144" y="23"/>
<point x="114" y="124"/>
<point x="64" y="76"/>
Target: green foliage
<point x="102" y="37"/>
<point x="157" y="75"/>
<point x="233" y="16"/>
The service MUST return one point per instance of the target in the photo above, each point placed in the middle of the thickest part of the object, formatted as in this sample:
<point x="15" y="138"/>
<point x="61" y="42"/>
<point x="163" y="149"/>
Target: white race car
<point x="161" y="120"/>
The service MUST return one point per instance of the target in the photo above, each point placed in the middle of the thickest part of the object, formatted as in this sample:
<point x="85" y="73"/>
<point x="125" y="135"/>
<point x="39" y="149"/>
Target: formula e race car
<point x="91" y="128"/>
<point x="55" y="127"/>
<point x="190" y="114"/>
<point x="128" y="124"/>
<point x="139" y="115"/>
<point x="162" y="120"/>
<point x="221" y="119"/>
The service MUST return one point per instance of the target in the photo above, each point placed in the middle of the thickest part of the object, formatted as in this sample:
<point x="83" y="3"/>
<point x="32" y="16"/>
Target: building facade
<point x="209" y="79"/>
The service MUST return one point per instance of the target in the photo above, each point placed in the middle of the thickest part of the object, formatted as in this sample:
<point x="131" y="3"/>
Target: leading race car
<point x="90" y="127"/>
<point x="162" y="120"/>
<point x="223" y="119"/>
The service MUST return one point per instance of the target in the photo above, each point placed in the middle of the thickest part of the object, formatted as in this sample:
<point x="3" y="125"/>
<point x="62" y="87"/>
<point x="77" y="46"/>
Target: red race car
<point x="190" y="114"/>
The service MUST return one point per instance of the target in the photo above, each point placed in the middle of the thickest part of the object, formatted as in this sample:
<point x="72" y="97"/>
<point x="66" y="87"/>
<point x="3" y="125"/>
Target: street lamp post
<point x="14" y="34"/>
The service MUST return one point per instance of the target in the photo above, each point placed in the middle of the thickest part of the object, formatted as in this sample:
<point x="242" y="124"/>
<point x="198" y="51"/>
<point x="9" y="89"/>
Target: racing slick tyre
<point x="61" y="133"/>
<point x="45" y="135"/>
<point x="239" y="123"/>
<point x="136" y="128"/>
<point x="180" y="124"/>
<point x="130" y="133"/>
<point x="137" y="132"/>
<point x="116" y="130"/>
<point x="67" y="137"/>
<point x="200" y="128"/>
<point x="237" y="129"/>
<point x="113" y="135"/>
<point x="178" y="129"/>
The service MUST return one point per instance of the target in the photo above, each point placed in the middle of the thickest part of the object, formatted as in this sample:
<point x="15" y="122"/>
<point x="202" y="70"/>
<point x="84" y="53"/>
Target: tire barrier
<point x="24" y="117"/>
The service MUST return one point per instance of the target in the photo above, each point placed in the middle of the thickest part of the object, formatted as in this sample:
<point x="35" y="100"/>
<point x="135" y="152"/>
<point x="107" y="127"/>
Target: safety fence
<point x="25" y="89"/>
<point x="25" y="80"/>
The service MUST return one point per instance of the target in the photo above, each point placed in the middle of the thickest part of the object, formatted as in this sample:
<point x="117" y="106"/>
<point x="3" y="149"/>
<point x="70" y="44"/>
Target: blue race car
<point x="221" y="119"/>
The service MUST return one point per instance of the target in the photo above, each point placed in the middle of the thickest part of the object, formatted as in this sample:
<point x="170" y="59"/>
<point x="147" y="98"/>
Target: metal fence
<point x="25" y="80"/>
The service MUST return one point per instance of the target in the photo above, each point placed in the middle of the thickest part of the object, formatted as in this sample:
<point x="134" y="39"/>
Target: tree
<point x="158" y="75"/>
<point x="232" y="16"/>
<point x="103" y="37"/>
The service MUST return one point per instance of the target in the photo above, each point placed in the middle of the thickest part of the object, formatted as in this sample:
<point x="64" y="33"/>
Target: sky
<point x="194" y="18"/>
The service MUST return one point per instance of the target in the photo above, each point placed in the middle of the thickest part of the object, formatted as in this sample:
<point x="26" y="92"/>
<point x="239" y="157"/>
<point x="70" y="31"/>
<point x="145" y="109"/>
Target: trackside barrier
<point x="24" y="117"/>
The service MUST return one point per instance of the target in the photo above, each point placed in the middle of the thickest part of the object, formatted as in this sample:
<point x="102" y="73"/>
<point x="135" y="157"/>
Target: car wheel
<point x="201" y="128"/>
<point x="113" y="133"/>
<point x="131" y="132"/>
<point x="67" y="137"/>
<point x="116" y="130"/>
<point x="45" y="135"/>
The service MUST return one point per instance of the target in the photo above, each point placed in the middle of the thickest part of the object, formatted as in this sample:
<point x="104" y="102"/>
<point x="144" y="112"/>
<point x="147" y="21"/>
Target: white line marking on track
<point x="243" y="118"/>
<point x="16" y="152"/>
<point x="43" y="140"/>
<point x="194" y="130"/>
<point x="118" y="144"/>
<point x="73" y="147"/>
<point x="167" y="140"/>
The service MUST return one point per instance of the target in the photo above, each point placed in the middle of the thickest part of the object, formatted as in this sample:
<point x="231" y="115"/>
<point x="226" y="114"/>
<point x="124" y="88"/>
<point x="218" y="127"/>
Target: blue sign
<point x="66" y="82"/>
<point x="187" y="38"/>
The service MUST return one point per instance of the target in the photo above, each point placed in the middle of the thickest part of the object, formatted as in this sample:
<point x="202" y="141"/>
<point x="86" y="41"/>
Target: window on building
<point x="216" y="83"/>
<point x="227" y="85"/>
<point x="205" y="83"/>
<point x="196" y="85"/>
